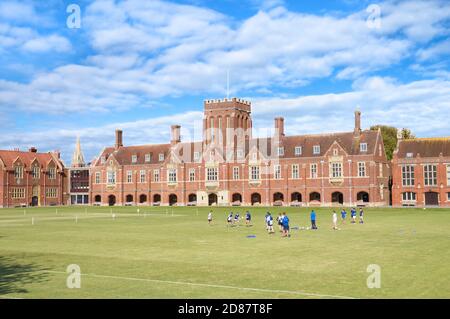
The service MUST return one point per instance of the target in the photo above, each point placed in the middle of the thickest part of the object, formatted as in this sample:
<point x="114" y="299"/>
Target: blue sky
<point x="144" y="65"/>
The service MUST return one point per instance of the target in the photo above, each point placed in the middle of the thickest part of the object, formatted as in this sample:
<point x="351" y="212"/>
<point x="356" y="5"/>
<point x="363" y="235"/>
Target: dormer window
<point x="409" y="155"/>
<point x="133" y="159"/>
<point x="161" y="157"/>
<point x="280" y="151"/>
<point x="298" y="151"/>
<point x="363" y="147"/>
<point x="316" y="149"/>
<point x="196" y="156"/>
<point x="148" y="158"/>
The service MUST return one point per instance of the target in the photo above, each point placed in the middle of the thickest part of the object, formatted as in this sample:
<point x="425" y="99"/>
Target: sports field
<point x="174" y="253"/>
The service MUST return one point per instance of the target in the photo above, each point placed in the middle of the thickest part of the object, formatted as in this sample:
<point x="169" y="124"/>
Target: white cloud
<point x="419" y="105"/>
<point x="42" y="44"/>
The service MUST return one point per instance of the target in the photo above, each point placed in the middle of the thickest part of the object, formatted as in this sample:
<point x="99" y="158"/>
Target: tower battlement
<point x="219" y="104"/>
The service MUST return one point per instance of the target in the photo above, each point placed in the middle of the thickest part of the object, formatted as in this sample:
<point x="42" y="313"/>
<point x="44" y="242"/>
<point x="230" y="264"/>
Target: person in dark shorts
<point x="285" y="226"/>
<point x="248" y="218"/>
<point x="313" y="220"/>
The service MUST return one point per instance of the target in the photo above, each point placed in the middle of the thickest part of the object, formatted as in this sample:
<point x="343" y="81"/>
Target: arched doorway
<point x="34" y="201"/>
<point x="192" y="198"/>
<point x="363" y="197"/>
<point x="256" y="198"/>
<point x="337" y="198"/>
<point x="278" y="197"/>
<point x="431" y="199"/>
<point x="212" y="199"/>
<point x="314" y="196"/>
<point x="173" y="199"/>
<point x="142" y="198"/>
<point x="129" y="198"/>
<point x="236" y="198"/>
<point x="111" y="200"/>
<point x="156" y="198"/>
<point x="97" y="199"/>
<point x="296" y="197"/>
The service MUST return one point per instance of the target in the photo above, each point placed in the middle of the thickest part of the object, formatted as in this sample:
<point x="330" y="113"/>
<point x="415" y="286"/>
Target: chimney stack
<point x="33" y="149"/>
<point x="279" y="126"/>
<point x="357" y="130"/>
<point x="176" y="136"/>
<point x="119" y="142"/>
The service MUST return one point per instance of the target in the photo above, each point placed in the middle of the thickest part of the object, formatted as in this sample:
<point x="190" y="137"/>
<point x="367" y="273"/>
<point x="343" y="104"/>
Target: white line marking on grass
<point x="291" y="292"/>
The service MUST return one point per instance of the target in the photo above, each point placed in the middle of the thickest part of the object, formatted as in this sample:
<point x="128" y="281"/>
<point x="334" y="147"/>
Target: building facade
<point x="230" y="167"/>
<point x="78" y="178"/>
<point x="31" y="178"/>
<point x="421" y="172"/>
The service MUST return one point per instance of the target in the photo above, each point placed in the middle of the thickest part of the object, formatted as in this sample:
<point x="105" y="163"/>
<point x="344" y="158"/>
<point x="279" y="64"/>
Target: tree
<point x="389" y="134"/>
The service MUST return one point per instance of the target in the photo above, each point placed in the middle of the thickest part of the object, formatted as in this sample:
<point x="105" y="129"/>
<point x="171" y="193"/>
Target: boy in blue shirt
<point x="285" y="226"/>
<point x="343" y="215"/>
<point x="353" y="215"/>
<point x="313" y="220"/>
<point x="236" y="218"/>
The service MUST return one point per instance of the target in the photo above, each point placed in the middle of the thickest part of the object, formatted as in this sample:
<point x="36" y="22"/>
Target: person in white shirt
<point x="210" y="218"/>
<point x="335" y="218"/>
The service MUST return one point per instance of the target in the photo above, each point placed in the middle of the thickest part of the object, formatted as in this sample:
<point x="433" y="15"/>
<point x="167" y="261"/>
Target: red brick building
<point x="421" y="172"/>
<point x="31" y="179"/>
<point x="230" y="167"/>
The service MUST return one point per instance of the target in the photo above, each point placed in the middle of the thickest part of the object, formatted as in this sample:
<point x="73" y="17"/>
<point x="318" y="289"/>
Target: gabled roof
<point x="346" y="140"/>
<point x="123" y="154"/>
<point x="27" y="158"/>
<point x="426" y="147"/>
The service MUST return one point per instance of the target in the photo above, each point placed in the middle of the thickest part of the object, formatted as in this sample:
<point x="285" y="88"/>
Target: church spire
<point x="78" y="158"/>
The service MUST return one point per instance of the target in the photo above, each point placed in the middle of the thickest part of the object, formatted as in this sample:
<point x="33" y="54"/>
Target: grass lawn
<point x="165" y="254"/>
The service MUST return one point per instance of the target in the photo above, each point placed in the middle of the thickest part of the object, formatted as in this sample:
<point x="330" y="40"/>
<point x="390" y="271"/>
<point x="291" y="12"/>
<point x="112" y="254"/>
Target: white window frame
<point x="36" y="172"/>
<point x="18" y="172"/>
<point x="313" y="170"/>
<point x="277" y="171"/>
<point x="129" y="176"/>
<point x="409" y="197"/>
<point x="316" y="150"/>
<point x="212" y="174"/>
<point x="97" y="177"/>
<point x="142" y="176"/>
<point x="235" y="172"/>
<point x="254" y="173"/>
<point x="148" y="158"/>
<point x="295" y="171"/>
<point x="161" y="157"/>
<point x="52" y="173"/>
<point x="196" y="156"/>
<point x="111" y="177"/>
<point x="448" y="174"/>
<point x="336" y="170"/>
<point x="172" y="175"/>
<point x="427" y="179"/>
<point x="362" y="169"/>
<point x="298" y="150"/>
<point x="408" y="175"/>
<point x="133" y="159"/>
<point x="363" y="147"/>
<point x="280" y="151"/>
<point x="192" y="174"/>
<point x="156" y="176"/>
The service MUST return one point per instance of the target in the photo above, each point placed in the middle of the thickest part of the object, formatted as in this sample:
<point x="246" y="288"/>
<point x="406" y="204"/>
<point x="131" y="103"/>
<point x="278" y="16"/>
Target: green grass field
<point x="161" y="253"/>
